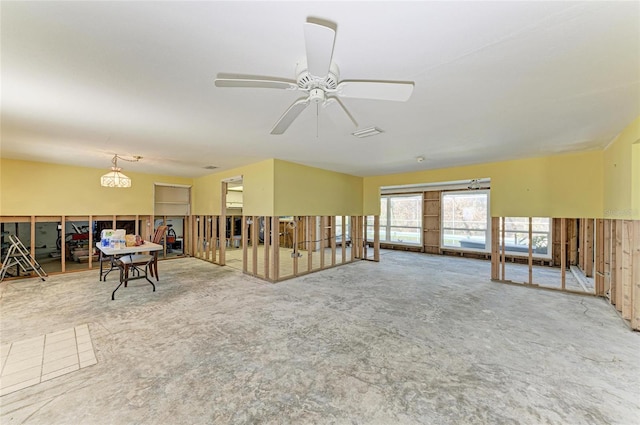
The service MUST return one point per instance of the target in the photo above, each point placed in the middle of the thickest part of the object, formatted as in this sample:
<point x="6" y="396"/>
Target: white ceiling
<point x="493" y="80"/>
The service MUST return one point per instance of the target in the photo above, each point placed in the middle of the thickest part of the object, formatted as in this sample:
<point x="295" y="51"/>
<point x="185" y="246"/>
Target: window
<point x="516" y="235"/>
<point x="400" y="219"/>
<point x="466" y="222"/>
<point x="342" y="234"/>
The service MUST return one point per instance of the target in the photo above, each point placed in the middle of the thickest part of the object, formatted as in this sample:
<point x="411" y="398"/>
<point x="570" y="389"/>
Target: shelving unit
<point x="431" y="222"/>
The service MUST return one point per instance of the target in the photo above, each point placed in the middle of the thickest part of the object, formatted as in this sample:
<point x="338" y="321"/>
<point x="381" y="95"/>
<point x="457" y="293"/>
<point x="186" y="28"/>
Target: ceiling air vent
<point x="210" y="167"/>
<point x="367" y="132"/>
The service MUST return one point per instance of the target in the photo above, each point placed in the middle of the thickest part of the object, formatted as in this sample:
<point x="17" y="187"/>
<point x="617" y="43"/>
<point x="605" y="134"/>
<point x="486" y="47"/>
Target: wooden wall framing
<point x="65" y="228"/>
<point x="317" y="235"/>
<point x="621" y="268"/>
<point x="608" y="250"/>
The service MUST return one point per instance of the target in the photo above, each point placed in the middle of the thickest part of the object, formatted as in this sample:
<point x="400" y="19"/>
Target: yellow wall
<point x="621" y="185"/>
<point x="556" y="186"/>
<point x="37" y="188"/>
<point x="258" y="191"/>
<point x="589" y="184"/>
<point x="302" y="190"/>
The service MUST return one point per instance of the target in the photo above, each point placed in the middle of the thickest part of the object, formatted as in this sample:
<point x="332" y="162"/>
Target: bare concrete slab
<point x="415" y="339"/>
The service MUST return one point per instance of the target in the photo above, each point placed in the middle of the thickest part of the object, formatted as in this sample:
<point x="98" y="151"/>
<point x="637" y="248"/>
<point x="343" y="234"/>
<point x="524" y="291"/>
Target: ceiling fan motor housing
<point x="316" y="95"/>
<point x="307" y="81"/>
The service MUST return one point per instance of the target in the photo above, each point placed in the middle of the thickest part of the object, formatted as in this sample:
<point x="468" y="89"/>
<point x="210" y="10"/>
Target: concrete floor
<point x="412" y="339"/>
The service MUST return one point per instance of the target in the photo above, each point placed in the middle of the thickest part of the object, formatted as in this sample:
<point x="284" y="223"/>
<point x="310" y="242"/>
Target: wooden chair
<point x="148" y="261"/>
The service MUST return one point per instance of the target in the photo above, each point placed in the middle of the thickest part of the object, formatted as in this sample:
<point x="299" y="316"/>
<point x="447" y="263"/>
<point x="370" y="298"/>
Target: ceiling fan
<point x="318" y="79"/>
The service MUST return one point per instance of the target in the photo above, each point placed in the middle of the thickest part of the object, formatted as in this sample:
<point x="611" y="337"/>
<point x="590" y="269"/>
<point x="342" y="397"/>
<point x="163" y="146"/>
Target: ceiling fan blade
<point x="339" y="114"/>
<point x="230" y="80"/>
<point x="379" y="90"/>
<point x="319" y="41"/>
<point x="290" y="115"/>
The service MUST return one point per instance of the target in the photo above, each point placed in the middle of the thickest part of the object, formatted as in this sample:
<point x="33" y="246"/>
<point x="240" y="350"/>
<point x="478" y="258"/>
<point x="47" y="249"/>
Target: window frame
<point x="387" y="227"/>
<point x="487" y="230"/>
<point x="546" y="256"/>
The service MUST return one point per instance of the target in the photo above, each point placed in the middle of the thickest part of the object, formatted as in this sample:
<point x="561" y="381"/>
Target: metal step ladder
<point x="19" y="257"/>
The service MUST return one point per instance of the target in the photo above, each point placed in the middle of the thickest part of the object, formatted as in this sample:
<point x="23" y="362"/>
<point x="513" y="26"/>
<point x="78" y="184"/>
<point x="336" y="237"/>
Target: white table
<point x="115" y="253"/>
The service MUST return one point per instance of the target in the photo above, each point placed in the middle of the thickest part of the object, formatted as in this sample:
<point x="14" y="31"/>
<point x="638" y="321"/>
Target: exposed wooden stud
<point x="376" y="238"/>
<point x="91" y="244"/>
<point x="255" y="243"/>
<point x="599" y="249"/>
<point x="344" y="239"/>
<point x="186" y="235"/>
<point x="214" y="244"/>
<point x="355" y="241"/>
<point x="495" y="248"/>
<point x="332" y="240"/>
<point x="627" y="268"/>
<point x="194" y="244"/>
<point x="207" y="230"/>
<point x="361" y="252"/>
<point x="635" y="276"/>
<point x="618" y="254"/>
<point x="309" y="230"/>
<point x="365" y="242"/>
<point x="244" y="230"/>
<point x="267" y="237"/>
<point x="563" y="253"/>
<point x="314" y="234"/>
<point x="63" y="244"/>
<point x="275" y="243"/>
<point x="588" y="247"/>
<point x="323" y="236"/>
<point x="607" y="259"/>
<point x="613" y="265"/>
<point x="295" y="246"/>
<point x="530" y="250"/>
<point x="198" y="236"/>
<point x="354" y="237"/>
<point x="555" y="247"/>
<point x="503" y="247"/>
<point x="207" y="238"/>
<point x="222" y="233"/>
<point x="33" y="237"/>
<point x="204" y="231"/>
<point x="581" y="244"/>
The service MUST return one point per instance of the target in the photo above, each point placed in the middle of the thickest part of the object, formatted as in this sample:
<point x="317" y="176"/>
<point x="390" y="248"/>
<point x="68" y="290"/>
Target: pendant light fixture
<point x="115" y="178"/>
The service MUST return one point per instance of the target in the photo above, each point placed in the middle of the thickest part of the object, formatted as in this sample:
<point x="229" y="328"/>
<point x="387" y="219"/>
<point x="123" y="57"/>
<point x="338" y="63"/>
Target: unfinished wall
<point x="620" y="259"/>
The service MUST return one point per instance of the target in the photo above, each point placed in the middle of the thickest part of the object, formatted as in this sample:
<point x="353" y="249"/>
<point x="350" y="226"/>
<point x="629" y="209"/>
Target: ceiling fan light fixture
<point x="367" y="132"/>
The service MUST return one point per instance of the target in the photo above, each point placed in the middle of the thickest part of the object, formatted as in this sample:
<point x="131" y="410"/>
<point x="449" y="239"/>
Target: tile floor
<point x="34" y="360"/>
